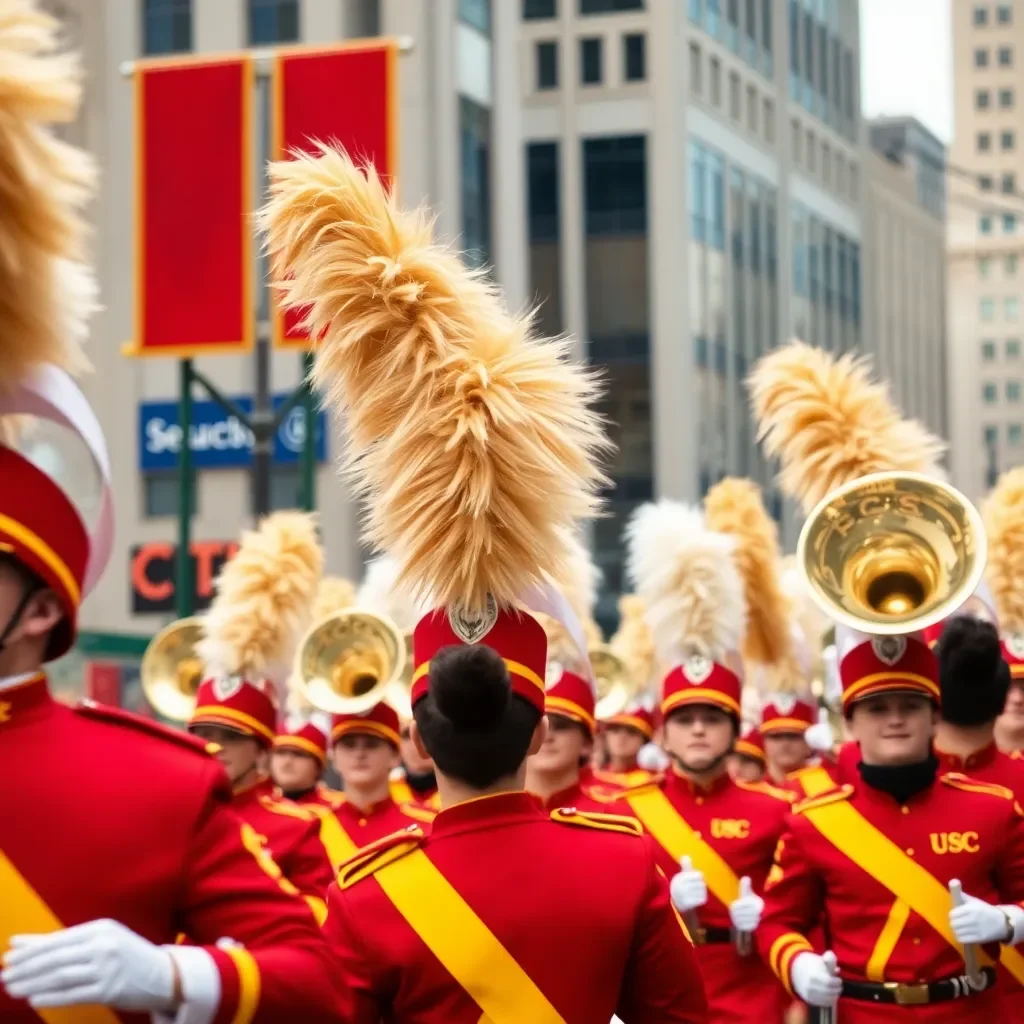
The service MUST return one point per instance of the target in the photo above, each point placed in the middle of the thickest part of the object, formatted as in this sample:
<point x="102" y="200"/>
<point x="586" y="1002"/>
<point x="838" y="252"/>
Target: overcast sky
<point x="900" y="77"/>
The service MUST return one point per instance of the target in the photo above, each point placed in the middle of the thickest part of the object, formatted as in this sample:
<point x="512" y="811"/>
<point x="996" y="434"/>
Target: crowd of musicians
<point x="786" y="788"/>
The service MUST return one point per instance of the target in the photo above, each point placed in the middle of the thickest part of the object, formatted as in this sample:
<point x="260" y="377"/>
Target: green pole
<point x="186" y="484"/>
<point x="308" y="489"/>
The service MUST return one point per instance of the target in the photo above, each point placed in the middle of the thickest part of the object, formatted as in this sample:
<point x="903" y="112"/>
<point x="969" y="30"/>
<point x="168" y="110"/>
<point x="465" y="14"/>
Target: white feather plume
<point x="688" y="579"/>
<point x="379" y="592"/>
<point x="584" y="579"/>
<point x="295" y="720"/>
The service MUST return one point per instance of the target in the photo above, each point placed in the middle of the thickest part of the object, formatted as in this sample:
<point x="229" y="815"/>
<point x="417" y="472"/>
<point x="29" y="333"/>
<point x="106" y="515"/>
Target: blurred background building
<point x="986" y="225"/>
<point x="680" y="184"/>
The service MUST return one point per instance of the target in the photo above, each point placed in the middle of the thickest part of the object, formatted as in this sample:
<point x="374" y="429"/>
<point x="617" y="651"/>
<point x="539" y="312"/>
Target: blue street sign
<point x="219" y="440"/>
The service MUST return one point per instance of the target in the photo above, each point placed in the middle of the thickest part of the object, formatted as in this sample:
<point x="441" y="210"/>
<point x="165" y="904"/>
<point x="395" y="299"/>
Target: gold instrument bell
<point x="349" y="661"/>
<point x="892" y="553"/>
<point x="616" y="689"/>
<point x="171" y="671"/>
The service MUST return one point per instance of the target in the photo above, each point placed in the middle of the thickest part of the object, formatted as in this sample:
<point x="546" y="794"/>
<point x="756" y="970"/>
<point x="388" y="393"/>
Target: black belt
<point x="902" y="994"/>
<point x="712" y="936"/>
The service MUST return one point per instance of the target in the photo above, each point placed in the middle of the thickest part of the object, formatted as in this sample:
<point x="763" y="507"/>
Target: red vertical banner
<point x="346" y="95"/>
<point x="103" y="682"/>
<point x="194" y="257"/>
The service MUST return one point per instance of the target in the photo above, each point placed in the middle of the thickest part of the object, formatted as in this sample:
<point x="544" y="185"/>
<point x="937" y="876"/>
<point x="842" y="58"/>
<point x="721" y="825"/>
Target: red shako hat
<point x="785" y="712"/>
<point x="639" y="718"/>
<point x="380" y="720"/>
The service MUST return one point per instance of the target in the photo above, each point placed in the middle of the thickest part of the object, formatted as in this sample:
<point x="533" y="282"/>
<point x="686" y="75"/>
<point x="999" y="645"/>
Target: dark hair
<point x="473" y="726"/>
<point x="973" y="677"/>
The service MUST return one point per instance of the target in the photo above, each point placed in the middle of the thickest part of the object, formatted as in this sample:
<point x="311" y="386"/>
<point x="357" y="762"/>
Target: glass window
<point x="984" y="266"/>
<point x="590" y="61"/>
<point x="985" y="224"/>
<point x="980" y="15"/>
<point x="1010" y="308"/>
<point x="1009" y="183"/>
<point x="988" y="351"/>
<point x="696" y="11"/>
<point x="1013" y="434"/>
<point x="715" y="76"/>
<point x="475" y="150"/>
<point x="1013" y="348"/>
<point x="1010" y="265"/>
<point x="609" y="6"/>
<point x="544" y="234"/>
<point x="1004" y="14"/>
<point x="989" y="392"/>
<point x="616" y="185"/>
<point x="273" y="21"/>
<point x="981" y="97"/>
<point x="1009" y="223"/>
<point x="732" y="22"/>
<point x="547" y="65"/>
<point x="536" y="9"/>
<point x="1006" y="98"/>
<point x="985" y="182"/>
<point x="634" y="57"/>
<point x="981" y="57"/>
<point x="1006" y="140"/>
<point x="768" y="121"/>
<point x="695" y="68"/>
<point x="160" y="493"/>
<point x="476" y="13"/>
<point x="984" y="142"/>
<point x="766" y="25"/>
<point x="1005" y="56"/>
<point x="991" y="435"/>
<point x="987" y="309"/>
<point x="166" y="26"/>
<point x="734" y="95"/>
<point x="285" y="488"/>
<point x="1013" y="390"/>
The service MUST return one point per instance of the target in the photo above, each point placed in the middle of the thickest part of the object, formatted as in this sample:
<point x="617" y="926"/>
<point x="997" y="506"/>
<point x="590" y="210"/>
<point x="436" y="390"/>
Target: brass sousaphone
<point x="892" y="553"/>
<point x="171" y="670"/>
<point x="616" y="688"/>
<point x="349" y="661"/>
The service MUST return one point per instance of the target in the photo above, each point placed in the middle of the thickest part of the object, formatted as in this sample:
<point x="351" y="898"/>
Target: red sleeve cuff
<point x="240" y="984"/>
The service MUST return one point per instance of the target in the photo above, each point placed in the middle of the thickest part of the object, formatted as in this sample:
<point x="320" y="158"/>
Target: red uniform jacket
<point x="741" y="822"/>
<point x="291" y="835"/>
<point x="106" y="815"/>
<point x="579" y="906"/>
<point x="584" y="797"/>
<point x="991" y="765"/>
<point x="957" y="828"/>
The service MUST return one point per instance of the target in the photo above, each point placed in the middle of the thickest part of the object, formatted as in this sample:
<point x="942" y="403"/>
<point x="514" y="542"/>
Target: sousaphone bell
<point x="892" y="553"/>
<point x="349" y="661"/>
<point x="171" y="670"/>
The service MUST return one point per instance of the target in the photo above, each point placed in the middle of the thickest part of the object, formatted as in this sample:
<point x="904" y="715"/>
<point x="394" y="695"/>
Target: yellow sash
<point x="674" y="835"/>
<point x="855" y="837"/>
<point x="464" y="945"/>
<point x="23" y="912"/>
<point x="337" y="842"/>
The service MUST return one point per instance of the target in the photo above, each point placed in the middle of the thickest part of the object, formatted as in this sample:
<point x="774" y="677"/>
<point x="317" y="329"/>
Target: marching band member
<point x="910" y="870"/>
<point x="262" y="605"/>
<point x="297" y="763"/>
<point x="413" y="780"/>
<point x="1003" y="511"/>
<point x="100" y="872"/>
<point x="364" y="748"/>
<point x="748" y="762"/>
<point x="720" y="830"/>
<point x="476" y="448"/>
<point x="625" y="735"/>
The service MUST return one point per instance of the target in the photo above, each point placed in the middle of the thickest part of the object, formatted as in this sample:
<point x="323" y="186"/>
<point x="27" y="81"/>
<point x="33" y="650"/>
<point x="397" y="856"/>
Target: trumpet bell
<point x="892" y="553"/>
<point x="171" y="671"/>
<point x="348" y="661"/>
<point x="616" y="689"/>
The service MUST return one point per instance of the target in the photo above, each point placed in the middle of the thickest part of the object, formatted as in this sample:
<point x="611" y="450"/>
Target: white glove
<point x="688" y="888"/>
<point x="816" y="978"/>
<point x="976" y="922"/>
<point x="652" y="758"/>
<point x="99" y="962"/>
<point x="745" y="912"/>
<point x="820" y="737"/>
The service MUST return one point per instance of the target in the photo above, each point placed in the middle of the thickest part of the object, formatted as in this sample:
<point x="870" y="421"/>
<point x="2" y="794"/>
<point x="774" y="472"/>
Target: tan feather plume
<point x="474" y="444"/>
<point x="582" y="585"/>
<point x="632" y="641"/>
<point x="47" y="291"/>
<point x="689" y="581"/>
<point x="1003" y="512"/>
<point x="334" y="594"/>
<point x="264" y="599"/>
<point x="734" y="506"/>
<point x="829" y="423"/>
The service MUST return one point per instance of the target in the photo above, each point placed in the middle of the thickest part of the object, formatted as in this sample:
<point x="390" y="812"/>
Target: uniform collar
<point x="979" y="759"/>
<point x="685" y="784"/>
<point x="23" y="693"/>
<point x="567" y="797"/>
<point x="366" y="812"/>
<point x="261" y="786"/>
<point x="487" y="811"/>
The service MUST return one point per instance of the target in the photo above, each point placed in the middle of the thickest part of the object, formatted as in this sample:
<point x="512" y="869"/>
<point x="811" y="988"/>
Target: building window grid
<point x="273" y="21"/>
<point x="546" y="65"/>
<point x="538" y="10"/>
<point x="166" y="26"/>
<point x="634" y="57"/>
<point x="591" y="60"/>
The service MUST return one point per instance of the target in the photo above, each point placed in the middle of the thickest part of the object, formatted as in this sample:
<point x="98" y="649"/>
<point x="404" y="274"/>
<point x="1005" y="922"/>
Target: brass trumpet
<point x="349" y="661"/>
<point x="171" y="670"/>
<point x="892" y="553"/>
